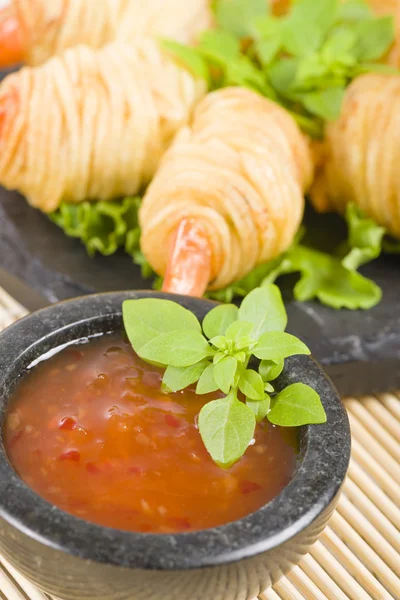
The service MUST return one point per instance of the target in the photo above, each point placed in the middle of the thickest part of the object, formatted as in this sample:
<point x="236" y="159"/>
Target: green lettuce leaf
<point x="364" y="241"/>
<point x="104" y="227"/>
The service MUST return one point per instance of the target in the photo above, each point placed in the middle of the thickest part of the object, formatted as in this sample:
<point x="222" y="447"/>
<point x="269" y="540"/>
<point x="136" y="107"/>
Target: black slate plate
<point x="359" y="349"/>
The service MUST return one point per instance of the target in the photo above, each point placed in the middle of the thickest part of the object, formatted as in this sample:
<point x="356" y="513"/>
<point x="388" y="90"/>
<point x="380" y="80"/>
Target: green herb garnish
<point x="105" y="227"/>
<point x="216" y="355"/>
<point x="304" y="60"/>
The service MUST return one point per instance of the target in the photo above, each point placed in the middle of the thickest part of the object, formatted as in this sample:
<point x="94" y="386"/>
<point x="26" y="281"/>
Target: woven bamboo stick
<point x="287" y="591"/>
<point x="375" y="469"/>
<point x="321" y="577"/>
<point x="366" y="554"/>
<point x="373" y="514"/>
<point x="391" y="401"/>
<point x="305" y="585"/>
<point x="380" y="434"/>
<point x="380" y="499"/>
<point x="342" y="577"/>
<point x="370" y="534"/>
<point x="385" y="460"/>
<point x="354" y="566"/>
<point x="382" y="414"/>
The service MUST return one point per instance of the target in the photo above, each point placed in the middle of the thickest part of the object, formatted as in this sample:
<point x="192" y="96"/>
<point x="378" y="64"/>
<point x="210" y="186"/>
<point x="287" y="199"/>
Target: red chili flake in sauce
<point x="172" y="421"/>
<point x="179" y="524"/>
<point x="68" y="423"/>
<point x="135" y="470"/>
<point x="15" y="438"/>
<point x="133" y="461"/>
<point x="72" y="455"/>
<point x="91" y="468"/>
<point x="246" y="487"/>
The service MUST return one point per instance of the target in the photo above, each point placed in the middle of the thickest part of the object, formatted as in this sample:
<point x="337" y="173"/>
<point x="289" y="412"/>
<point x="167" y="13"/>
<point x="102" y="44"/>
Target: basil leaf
<point x="217" y="321"/>
<point x="300" y="36"/>
<point x="269" y="388"/>
<point x="365" y="238"/>
<point x="189" y="57"/>
<point x="264" y="308"/>
<point x="322" y="14"/>
<point x="251" y="385"/>
<point x="326" y="104"/>
<point x="282" y="74"/>
<point x="239" y="16"/>
<point x="218" y="357"/>
<point x="270" y="370"/>
<point x="276" y="345"/>
<point x="243" y="72"/>
<point x="339" y="43"/>
<point x="219" y="46"/>
<point x="374" y="37"/>
<point x="220" y="342"/>
<point x="354" y="10"/>
<point x="260" y="408"/>
<point x="267" y="50"/>
<point x="238" y="330"/>
<point x="206" y="383"/>
<point x="244" y="343"/>
<point x="224" y="373"/>
<point x="147" y="318"/>
<point x="296" y="405"/>
<point x="176" y="348"/>
<point x="226" y="427"/>
<point x="179" y="378"/>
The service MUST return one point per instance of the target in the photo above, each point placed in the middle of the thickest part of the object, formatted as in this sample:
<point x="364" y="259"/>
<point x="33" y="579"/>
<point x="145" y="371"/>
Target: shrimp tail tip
<point x="189" y="267"/>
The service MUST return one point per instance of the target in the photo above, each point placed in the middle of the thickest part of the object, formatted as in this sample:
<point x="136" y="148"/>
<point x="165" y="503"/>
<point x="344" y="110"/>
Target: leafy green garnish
<point x="296" y="405"/>
<point x="322" y="277"/>
<point x="227" y="428"/>
<point x="332" y="278"/>
<point x="216" y="355"/>
<point x="304" y="60"/>
<point x="104" y="227"/>
<point x="365" y="239"/>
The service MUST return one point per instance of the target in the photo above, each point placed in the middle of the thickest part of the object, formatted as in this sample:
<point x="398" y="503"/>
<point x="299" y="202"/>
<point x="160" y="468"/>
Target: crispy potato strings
<point x="361" y="153"/>
<point x="240" y="170"/>
<point x="91" y="124"/>
<point x="51" y="26"/>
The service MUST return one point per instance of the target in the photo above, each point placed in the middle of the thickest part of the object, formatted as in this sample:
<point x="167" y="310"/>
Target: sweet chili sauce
<point x="90" y="431"/>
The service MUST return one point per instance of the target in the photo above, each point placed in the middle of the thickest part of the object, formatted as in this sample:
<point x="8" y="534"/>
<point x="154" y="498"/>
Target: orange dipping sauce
<point x="90" y="431"/>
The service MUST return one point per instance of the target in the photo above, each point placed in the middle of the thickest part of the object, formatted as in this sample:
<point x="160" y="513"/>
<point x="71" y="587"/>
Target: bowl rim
<point x="313" y="489"/>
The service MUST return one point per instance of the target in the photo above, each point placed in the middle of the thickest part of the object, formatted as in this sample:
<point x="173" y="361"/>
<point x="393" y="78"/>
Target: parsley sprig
<point x="304" y="60"/>
<point x="219" y="356"/>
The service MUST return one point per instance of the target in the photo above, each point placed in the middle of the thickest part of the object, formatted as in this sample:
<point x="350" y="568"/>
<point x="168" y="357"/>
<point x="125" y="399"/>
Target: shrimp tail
<point x="189" y="267"/>
<point x="11" y="37"/>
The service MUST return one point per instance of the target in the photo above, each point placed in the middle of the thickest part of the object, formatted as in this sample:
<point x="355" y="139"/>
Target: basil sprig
<point x="304" y="60"/>
<point x="216" y="355"/>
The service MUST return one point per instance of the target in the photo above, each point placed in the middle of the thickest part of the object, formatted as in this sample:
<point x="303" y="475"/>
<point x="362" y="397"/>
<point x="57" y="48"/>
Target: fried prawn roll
<point x="34" y="30"/>
<point x="228" y="194"/>
<point x="91" y="124"/>
<point x="361" y="153"/>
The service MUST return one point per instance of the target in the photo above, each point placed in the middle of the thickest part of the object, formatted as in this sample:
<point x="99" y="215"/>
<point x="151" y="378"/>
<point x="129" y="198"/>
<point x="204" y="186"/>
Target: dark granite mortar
<point x="77" y="560"/>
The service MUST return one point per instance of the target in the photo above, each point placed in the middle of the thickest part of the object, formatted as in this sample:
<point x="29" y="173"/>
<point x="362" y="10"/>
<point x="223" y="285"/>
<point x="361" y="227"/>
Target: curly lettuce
<point x="328" y="275"/>
<point x="105" y="227"/>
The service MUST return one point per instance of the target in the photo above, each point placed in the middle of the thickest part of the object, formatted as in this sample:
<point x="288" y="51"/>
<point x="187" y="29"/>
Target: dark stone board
<point x="359" y="349"/>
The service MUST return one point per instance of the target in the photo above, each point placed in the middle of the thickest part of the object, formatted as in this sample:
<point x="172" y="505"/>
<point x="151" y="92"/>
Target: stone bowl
<point x="77" y="560"/>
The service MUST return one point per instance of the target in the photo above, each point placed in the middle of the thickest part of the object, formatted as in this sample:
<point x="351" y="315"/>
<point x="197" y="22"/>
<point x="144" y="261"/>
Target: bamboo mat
<point x="358" y="555"/>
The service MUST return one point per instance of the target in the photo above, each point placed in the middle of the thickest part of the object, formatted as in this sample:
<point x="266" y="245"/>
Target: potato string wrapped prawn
<point x="361" y="152"/>
<point x="34" y="30"/>
<point x="228" y="194"/>
<point x="91" y="124"/>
